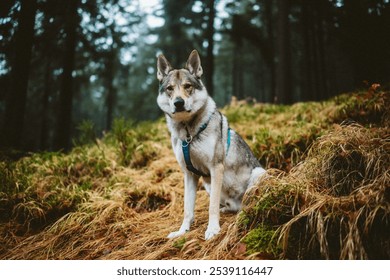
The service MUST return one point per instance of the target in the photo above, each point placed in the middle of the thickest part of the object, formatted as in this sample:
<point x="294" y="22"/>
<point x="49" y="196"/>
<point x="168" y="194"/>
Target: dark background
<point x="65" y="62"/>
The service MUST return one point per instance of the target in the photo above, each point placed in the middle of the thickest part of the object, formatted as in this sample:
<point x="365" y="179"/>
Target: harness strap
<point x="228" y="141"/>
<point x="186" y="150"/>
<point x="185" y="144"/>
<point x="187" y="159"/>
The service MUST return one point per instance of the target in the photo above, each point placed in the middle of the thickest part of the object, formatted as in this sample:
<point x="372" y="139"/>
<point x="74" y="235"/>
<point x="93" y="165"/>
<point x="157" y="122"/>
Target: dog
<point x="204" y="144"/>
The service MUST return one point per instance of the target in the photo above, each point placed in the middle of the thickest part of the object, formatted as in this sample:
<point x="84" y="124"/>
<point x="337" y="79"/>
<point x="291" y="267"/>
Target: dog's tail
<point x="256" y="176"/>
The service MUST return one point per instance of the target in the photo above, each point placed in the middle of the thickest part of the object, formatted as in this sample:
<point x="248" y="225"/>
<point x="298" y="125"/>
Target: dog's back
<point x="241" y="168"/>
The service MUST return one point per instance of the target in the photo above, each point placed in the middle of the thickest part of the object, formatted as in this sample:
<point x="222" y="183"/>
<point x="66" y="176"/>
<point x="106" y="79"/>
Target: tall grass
<point x="326" y="195"/>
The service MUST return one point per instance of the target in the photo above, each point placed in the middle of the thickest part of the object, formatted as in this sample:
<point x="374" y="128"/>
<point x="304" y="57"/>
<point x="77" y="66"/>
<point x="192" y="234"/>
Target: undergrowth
<point x="335" y="203"/>
<point x="133" y="142"/>
<point x="326" y="195"/>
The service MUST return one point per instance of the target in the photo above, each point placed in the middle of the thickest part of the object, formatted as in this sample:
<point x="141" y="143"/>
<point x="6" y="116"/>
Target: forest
<point x="68" y="66"/>
<point x="86" y="164"/>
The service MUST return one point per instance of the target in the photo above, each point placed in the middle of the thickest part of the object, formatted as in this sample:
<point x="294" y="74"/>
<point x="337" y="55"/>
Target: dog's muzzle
<point x="179" y="104"/>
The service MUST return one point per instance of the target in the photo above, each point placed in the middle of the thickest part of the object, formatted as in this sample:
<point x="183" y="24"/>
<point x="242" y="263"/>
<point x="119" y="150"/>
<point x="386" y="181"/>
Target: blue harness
<point x="185" y="144"/>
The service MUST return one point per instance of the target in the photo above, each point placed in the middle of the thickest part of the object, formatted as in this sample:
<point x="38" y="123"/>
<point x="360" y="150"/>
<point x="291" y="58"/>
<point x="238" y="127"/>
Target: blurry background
<point x="81" y="62"/>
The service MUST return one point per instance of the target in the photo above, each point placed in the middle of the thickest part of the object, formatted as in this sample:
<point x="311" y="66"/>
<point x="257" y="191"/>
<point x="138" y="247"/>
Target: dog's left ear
<point x="163" y="67"/>
<point x="193" y="64"/>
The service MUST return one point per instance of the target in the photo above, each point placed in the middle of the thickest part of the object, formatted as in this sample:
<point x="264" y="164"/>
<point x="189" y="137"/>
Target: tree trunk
<point x="283" y="84"/>
<point x="64" y="120"/>
<point x="237" y="73"/>
<point x="307" y="82"/>
<point x="209" y="71"/>
<point x="111" y="91"/>
<point x="17" y="95"/>
<point x="45" y="106"/>
<point x="323" y="93"/>
<point x="315" y="81"/>
<point x="270" y="35"/>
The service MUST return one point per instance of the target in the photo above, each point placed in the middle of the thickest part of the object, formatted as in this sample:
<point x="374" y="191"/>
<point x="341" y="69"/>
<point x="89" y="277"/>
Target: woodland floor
<point x="120" y="196"/>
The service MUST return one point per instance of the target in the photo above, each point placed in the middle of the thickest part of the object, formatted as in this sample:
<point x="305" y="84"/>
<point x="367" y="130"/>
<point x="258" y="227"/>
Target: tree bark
<point x="45" y="106"/>
<point x="64" y="119"/>
<point x="283" y="71"/>
<point x="209" y="71"/>
<point x="323" y="92"/>
<point x="237" y="73"/>
<point x="270" y="35"/>
<point x="17" y="95"/>
<point x="111" y="90"/>
<point x="242" y="28"/>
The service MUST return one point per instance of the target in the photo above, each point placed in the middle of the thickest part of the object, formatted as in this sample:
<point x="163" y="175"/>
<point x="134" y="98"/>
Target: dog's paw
<point x="211" y="232"/>
<point x="224" y="209"/>
<point x="175" y="234"/>
<point x="231" y="206"/>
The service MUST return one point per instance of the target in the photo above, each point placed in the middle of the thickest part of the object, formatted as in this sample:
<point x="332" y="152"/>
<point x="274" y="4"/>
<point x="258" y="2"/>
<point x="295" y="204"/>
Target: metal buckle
<point x="188" y="141"/>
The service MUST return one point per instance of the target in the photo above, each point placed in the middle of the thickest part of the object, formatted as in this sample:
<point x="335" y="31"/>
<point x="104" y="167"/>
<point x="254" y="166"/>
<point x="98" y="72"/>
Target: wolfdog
<point x="204" y="144"/>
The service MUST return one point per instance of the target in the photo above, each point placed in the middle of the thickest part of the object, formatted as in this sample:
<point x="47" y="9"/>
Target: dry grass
<point x="333" y="205"/>
<point x="127" y="218"/>
<point x="119" y="197"/>
<point x="348" y="194"/>
<point x="129" y="222"/>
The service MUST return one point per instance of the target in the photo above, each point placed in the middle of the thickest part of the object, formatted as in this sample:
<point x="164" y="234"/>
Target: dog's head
<point x="181" y="92"/>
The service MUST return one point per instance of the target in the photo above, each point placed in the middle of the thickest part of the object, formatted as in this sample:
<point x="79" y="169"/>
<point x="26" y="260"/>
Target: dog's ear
<point x="193" y="64"/>
<point x="163" y="67"/>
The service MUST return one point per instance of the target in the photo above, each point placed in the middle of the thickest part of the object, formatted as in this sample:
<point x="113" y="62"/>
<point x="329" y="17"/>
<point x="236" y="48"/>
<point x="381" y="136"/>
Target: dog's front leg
<point x="190" y="183"/>
<point x="215" y="199"/>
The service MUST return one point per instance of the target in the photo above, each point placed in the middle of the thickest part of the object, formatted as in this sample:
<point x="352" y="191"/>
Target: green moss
<point x="262" y="240"/>
<point x="38" y="189"/>
<point x="179" y="243"/>
<point x="276" y="206"/>
<point x="243" y="219"/>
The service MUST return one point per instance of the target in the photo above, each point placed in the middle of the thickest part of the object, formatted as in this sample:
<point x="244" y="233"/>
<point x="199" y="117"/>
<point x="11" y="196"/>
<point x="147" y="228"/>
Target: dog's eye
<point x="187" y="86"/>
<point x="169" y="88"/>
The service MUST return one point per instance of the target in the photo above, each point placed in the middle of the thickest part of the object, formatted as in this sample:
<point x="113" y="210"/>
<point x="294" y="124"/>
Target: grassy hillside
<point x="327" y="194"/>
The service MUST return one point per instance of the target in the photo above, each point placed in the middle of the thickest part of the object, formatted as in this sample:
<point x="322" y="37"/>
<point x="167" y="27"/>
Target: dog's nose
<point x="179" y="103"/>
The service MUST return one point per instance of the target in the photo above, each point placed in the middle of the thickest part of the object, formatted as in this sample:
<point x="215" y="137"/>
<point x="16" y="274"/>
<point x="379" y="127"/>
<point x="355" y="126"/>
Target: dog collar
<point x="185" y="144"/>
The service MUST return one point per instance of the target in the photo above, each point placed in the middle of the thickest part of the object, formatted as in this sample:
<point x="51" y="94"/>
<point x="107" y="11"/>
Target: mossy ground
<point x="326" y="196"/>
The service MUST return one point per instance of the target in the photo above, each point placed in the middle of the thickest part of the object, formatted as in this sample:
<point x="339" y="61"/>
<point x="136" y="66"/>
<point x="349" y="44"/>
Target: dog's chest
<point x="201" y="149"/>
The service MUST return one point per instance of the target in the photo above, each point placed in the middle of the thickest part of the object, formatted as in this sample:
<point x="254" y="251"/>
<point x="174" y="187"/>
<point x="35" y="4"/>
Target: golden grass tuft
<point x="326" y="195"/>
<point x="130" y="219"/>
<point x="333" y="205"/>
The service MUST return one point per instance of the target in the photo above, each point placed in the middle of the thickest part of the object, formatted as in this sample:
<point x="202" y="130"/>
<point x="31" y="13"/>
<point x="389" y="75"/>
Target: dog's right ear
<point x="163" y="67"/>
<point x="193" y="64"/>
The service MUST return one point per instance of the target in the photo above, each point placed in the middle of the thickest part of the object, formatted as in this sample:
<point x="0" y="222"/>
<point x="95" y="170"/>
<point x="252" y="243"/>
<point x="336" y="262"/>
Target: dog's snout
<point x="179" y="103"/>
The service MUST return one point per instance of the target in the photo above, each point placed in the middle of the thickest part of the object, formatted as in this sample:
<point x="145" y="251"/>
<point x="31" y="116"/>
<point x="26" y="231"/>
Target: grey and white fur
<point x="232" y="169"/>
